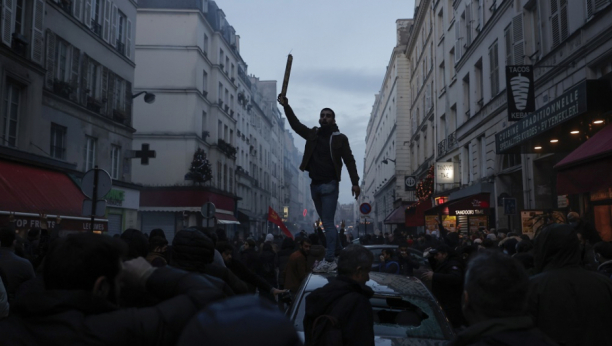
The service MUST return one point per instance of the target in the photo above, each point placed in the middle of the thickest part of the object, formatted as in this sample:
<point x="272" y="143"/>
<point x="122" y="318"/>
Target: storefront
<point x="466" y="215"/>
<point x="122" y="209"/>
<point x="28" y="192"/>
<point x="175" y="208"/>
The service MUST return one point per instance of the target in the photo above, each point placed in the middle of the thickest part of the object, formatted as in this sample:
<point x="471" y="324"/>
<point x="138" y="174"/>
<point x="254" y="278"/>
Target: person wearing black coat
<point x="287" y="248"/>
<point x="568" y="303"/>
<point x="446" y="281"/>
<point x="194" y="252"/>
<point x="347" y="298"/>
<point x="82" y="275"/>
<point x="495" y="304"/>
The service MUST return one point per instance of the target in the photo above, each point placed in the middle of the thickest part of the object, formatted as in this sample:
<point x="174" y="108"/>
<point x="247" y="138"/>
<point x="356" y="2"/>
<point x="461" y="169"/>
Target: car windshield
<point x="397" y="316"/>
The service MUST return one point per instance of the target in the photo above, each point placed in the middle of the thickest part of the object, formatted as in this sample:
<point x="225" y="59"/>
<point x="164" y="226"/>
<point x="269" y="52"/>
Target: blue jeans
<point x="325" y="198"/>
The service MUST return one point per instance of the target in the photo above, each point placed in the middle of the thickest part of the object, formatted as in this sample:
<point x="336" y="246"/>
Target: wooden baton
<point x="287" y="73"/>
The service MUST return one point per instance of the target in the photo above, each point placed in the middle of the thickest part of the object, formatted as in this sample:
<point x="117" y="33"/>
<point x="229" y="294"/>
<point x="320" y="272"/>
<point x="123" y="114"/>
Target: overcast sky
<point x="340" y="48"/>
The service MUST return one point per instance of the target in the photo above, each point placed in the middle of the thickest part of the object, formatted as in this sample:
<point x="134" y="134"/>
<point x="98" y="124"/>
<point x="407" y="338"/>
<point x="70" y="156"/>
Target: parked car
<point x="405" y="311"/>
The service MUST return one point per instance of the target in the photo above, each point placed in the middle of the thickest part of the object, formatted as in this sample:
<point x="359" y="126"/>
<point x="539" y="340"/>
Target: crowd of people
<point x="495" y="287"/>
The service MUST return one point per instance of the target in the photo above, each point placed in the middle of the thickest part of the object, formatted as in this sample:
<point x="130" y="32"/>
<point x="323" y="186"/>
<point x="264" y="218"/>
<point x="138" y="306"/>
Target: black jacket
<point x="340" y="148"/>
<point x="356" y="319"/>
<point x="447" y="287"/>
<point x="509" y="331"/>
<point x="568" y="303"/>
<point x="59" y="317"/>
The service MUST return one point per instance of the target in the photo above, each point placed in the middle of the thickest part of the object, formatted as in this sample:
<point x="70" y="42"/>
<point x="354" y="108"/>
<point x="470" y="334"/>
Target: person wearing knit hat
<point x="269" y="237"/>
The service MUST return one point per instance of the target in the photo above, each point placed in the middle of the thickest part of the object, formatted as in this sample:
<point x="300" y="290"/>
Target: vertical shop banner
<point x="520" y="88"/>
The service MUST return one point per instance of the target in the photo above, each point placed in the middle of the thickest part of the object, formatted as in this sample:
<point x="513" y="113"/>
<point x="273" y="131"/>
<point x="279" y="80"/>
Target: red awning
<point x="28" y="191"/>
<point x="398" y="215"/>
<point x="416" y="216"/>
<point x="587" y="169"/>
<point x="35" y="190"/>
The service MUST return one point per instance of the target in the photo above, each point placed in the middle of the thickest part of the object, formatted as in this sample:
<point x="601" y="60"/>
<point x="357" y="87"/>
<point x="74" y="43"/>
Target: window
<point x="58" y="141"/>
<point x="483" y="156"/>
<point x="514" y="41"/>
<point x="225" y="177"/>
<point x="466" y="96"/>
<point x="494" y="65"/>
<point x="90" y="152"/>
<point x="510" y="160"/>
<point x="205" y="45"/>
<point x="219" y="174"/>
<point x="204" y="83"/>
<point x="12" y="100"/>
<point x="96" y="18"/>
<point x="115" y="161"/>
<point x="19" y="16"/>
<point x="221" y="58"/>
<point x="119" y="93"/>
<point x="479" y="85"/>
<point x="62" y="61"/>
<point x="219" y="129"/>
<point x="558" y="21"/>
<point x="92" y="79"/>
<point x="121" y="32"/>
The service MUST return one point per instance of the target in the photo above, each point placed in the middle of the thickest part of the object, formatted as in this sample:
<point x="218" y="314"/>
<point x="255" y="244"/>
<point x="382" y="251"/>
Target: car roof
<point x="383" y="284"/>
<point x="381" y="246"/>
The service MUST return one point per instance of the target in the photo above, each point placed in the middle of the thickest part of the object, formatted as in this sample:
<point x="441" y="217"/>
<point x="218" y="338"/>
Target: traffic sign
<point x="365" y="208"/>
<point x="510" y="206"/>
<point x="410" y="183"/>
<point x="208" y="210"/>
<point x="104" y="183"/>
<point x="88" y="208"/>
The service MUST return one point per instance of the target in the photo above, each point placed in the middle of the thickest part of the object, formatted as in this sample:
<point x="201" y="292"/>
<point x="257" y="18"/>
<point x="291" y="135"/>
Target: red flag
<point x="275" y="219"/>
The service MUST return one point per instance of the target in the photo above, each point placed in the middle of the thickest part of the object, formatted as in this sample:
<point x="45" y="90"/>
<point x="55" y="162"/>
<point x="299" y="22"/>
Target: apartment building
<point x="68" y="70"/>
<point x="387" y="156"/>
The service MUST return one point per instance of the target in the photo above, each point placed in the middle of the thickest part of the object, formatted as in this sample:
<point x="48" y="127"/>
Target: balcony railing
<point x="96" y="28"/>
<point x="451" y="141"/>
<point x="120" y="47"/>
<point x="442" y="147"/>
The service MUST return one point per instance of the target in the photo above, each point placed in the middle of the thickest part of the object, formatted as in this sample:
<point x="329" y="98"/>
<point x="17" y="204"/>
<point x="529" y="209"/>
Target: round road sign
<point x="365" y="208"/>
<point x="104" y="183"/>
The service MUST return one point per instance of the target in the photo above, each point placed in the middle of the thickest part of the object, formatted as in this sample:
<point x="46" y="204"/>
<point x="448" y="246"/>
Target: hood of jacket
<point x="192" y="250"/>
<point x="556" y="246"/>
<point x="322" y="298"/>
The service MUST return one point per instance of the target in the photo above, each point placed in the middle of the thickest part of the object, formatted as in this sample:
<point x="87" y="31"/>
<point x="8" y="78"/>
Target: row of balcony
<point x="447" y="144"/>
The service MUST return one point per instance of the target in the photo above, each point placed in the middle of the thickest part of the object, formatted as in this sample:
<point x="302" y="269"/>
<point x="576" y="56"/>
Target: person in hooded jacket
<point x="446" y="281"/>
<point x="268" y="267"/>
<point x="194" y="252"/>
<point x="495" y="304"/>
<point x="568" y="303"/>
<point x="259" y="323"/>
<point x="347" y="298"/>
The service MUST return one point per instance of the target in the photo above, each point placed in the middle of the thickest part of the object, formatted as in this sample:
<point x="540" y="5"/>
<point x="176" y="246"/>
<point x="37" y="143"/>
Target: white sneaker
<point x="325" y="267"/>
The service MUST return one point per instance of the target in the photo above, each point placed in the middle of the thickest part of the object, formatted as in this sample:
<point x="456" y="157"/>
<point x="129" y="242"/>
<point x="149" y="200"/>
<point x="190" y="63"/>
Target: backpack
<point x="326" y="329"/>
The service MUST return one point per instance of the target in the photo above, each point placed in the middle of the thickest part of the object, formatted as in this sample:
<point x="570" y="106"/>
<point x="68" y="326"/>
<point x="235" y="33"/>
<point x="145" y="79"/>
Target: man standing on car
<point x="324" y="152"/>
<point x="340" y="312"/>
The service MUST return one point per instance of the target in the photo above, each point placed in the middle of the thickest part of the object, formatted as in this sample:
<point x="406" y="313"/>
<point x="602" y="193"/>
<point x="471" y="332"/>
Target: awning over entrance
<point x="397" y="216"/>
<point x="226" y="219"/>
<point x="589" y="167"/>
<point x="472" y="205"/>
<point x="416" y="216"/>
<point x="29" y="191"/>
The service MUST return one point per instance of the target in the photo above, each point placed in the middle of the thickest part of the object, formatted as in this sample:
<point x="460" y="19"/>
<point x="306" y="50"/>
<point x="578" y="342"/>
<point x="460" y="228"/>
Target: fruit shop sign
<point x="520" y="87"/>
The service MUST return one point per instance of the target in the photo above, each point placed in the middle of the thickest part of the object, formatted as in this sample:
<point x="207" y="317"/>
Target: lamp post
<point x="148" y="98"/>
<point x="386" y="161"/>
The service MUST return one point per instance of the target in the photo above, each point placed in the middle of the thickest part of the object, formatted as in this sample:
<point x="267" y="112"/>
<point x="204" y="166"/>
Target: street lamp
<point x="386" y="161"/>
<point x="148" y="98"/>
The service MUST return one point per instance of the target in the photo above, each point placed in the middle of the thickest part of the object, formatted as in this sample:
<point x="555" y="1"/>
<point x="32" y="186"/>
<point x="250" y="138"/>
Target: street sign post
<point x="365" y="208"/>
<point x="96" y="182"/>
<point x="208" y="212"/>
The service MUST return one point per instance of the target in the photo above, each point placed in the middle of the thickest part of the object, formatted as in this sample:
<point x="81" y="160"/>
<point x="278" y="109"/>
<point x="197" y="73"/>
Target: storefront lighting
<point x="598" y="122"/>
<point x="554" y="140"/>
<point x="575" y="132"/>
<point x="538" y="148"/>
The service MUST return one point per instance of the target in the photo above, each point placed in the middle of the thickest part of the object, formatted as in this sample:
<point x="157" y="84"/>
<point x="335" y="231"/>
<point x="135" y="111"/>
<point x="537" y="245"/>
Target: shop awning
<point x="588" y="167"/>
<point x="479" y="204"/>
<point x="28" y="191"/>
<point x="226" y="219"/>
<point x="397" y="216"/>
<point x="416" y="216"/>
<point x="35" y="190"/>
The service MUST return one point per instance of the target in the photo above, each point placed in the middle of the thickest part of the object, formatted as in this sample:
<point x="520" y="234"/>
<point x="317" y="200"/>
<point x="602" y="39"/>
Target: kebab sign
<point x="521" y="91"/>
